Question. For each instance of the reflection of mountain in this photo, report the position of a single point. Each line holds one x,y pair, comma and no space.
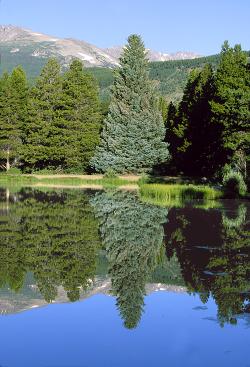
11,303
30,297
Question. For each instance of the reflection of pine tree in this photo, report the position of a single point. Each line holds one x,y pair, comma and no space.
213,251
132,234
12,257
56,238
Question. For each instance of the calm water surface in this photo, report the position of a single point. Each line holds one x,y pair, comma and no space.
96,279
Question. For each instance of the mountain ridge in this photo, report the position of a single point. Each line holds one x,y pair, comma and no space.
15,40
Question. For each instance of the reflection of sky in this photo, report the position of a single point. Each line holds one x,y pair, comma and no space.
175,331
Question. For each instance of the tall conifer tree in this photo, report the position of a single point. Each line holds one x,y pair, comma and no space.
133,132
13,110
81,113
43,138
230,105
201,136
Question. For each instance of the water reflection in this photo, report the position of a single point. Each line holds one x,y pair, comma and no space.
69,238
212,247
54,236
132,235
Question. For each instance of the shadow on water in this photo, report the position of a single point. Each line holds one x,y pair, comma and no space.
67,239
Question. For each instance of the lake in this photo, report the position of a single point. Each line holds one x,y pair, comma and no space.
100,278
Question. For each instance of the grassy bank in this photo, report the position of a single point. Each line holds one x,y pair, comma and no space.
69,181
177,195
162,194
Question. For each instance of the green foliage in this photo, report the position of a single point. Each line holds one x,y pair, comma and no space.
230,105
132,235
52,235
234,184
176,195
211,124
13,111
63,125
171,76
14,171
133,132
43,138
110,173
56,124
214,257
236,222
32,65
144,178
81,113
163,107
191,133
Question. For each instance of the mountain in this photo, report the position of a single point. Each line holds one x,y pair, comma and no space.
19,46
32,50
115,52
16,42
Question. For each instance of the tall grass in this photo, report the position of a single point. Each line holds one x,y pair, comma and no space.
177,195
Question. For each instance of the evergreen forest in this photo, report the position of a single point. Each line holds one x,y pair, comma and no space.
59,122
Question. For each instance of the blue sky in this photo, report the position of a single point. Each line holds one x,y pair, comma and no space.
165,25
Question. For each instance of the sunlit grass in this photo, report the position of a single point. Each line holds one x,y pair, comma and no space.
178,195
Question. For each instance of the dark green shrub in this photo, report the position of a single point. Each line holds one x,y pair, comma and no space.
234,184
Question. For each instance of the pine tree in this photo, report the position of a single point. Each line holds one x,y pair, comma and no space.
194,136
202,154
230,105
178,124
81,113
13,109
43,137
133,132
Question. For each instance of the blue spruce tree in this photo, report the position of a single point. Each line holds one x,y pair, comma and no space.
132,139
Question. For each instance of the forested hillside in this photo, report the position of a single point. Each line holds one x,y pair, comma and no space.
172,76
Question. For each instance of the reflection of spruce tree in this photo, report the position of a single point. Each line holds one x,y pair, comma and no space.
231,291
132,234
217,260
56,238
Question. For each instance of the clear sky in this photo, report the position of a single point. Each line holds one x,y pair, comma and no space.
166,25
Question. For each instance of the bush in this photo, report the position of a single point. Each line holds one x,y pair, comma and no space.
14,171
234,184
110,173
144,179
